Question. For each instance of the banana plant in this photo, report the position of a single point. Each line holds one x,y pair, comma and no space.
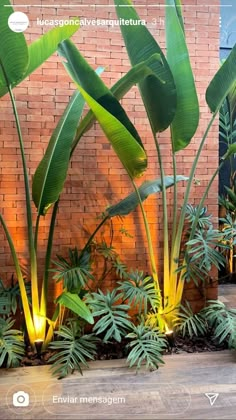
159,83
182,127
170,99
17,61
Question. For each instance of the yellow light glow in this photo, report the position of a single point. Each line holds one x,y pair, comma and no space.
39,324
168,331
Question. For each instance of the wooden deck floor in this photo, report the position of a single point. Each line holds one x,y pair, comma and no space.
109,390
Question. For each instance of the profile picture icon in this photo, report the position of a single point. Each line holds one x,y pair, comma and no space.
18,22
20,399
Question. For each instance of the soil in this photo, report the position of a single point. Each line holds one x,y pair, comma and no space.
115,350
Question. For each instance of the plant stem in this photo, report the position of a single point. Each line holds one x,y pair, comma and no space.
94,234
177,243
24,297
33,262
36,233
44,291
150,246
175,205
193,228
166,279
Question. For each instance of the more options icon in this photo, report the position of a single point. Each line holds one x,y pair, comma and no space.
20,399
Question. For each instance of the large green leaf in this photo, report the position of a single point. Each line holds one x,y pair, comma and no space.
222,82
231,99
129,151
75,304
13,50
39,51
129,203
119,90
116,125
83,74
51,173
159,99
186,119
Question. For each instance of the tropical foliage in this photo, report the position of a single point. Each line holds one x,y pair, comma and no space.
17,61
147,346
72,349
157,308
12,347
171,79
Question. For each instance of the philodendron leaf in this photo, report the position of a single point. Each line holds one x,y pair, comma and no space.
50,175
186,119
159,99
75,304
119,130
222,82
129,203
13,50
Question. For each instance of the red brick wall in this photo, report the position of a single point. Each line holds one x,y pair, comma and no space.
96,177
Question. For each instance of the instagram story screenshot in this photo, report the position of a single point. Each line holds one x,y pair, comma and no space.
117,209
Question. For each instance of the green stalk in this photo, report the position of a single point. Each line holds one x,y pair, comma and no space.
44,291
175,210
166,280
36,233
24,297
177,243
33,262
150,246
88,243
193,228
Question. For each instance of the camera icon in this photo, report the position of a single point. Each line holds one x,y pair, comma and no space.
20,399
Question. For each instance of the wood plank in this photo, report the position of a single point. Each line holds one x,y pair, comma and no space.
176,390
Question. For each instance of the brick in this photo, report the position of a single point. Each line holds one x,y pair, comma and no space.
96,176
